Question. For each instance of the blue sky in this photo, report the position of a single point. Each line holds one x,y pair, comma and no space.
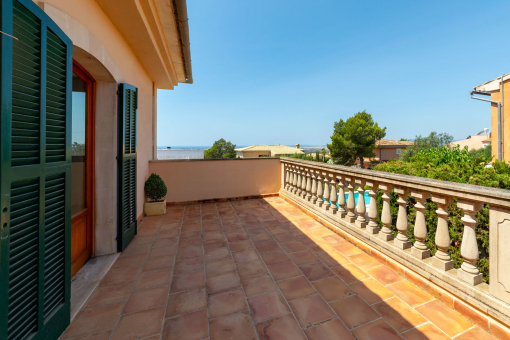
269,72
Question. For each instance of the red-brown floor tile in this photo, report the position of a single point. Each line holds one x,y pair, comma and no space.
133,249
281,328
425,332
189,253
348,249
475,334
233,327
285,237
108,295
146,299
332,288
384,275
94,320
334,259
261,237
185,302
158,263
165,251
237,237
129,261
240,245
154,279
218,243
213,235
187,282
190,243
246,255
445,318
222,282
212,227
316,271
101,336
165,242
353,311
188,266
410,294
267,306
143,239
251,268
256,230
277,230
122,275
284,270
321,248
189,234
371,291
168,233
350,273
330,330
293,247
226,303
192,326
311,310
377,330
399,315
255,285
219,267
295,288
303,257
268,246
139,325
364,261
274,257
216,254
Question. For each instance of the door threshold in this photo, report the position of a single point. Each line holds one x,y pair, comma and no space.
87,279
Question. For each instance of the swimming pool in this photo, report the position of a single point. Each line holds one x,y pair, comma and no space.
356,194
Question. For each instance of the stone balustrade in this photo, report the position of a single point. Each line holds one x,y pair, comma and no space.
321,188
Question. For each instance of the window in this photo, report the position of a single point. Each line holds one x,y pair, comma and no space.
398,151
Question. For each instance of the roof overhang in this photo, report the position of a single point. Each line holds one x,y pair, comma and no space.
158,35
492,85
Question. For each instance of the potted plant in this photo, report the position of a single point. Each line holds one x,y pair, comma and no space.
155,189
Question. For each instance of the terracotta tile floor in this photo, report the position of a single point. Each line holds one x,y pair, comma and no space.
256,269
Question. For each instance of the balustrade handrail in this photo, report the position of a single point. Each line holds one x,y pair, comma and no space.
492,196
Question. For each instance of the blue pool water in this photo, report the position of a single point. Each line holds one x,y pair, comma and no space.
356,194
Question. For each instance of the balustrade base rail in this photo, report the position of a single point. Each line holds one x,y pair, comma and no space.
318,187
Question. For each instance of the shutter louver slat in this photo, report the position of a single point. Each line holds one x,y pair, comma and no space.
24,255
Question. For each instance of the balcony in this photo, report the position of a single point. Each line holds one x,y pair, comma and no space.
271,249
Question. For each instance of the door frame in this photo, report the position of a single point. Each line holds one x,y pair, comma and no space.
90,119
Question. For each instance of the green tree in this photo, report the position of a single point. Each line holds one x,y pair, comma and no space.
434,140
355,139
221,149
404,140
486,151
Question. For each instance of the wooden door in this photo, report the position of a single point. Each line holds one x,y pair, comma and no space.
35,173
82,156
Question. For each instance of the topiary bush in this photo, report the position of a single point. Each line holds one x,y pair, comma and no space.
155,188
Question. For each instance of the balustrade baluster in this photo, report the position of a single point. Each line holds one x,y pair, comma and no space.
402,241
314,187
442,258
308,185
420,249
361,208
373,214
287,177
326,204
294,179
291,179
469,272
298,189
320,201
386,233
341,197
334,195
351,203
303,183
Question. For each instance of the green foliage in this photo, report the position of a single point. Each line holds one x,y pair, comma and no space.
355,139
485,151
77,149
221,149
443,155
434,140
404,140
155,188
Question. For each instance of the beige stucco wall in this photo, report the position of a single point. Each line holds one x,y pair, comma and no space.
255,154
102,50
506,122
192,180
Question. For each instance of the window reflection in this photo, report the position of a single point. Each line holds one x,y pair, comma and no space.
78,147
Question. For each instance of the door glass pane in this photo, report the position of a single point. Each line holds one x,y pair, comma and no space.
78,146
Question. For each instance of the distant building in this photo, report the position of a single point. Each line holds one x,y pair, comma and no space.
474,142
267,151
180,154
385,150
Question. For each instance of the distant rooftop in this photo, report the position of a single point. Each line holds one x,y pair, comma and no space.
389,142
275,149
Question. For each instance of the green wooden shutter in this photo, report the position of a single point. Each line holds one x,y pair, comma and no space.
35,172
128,105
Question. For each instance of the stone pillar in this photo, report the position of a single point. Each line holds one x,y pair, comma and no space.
308,185
303,183
294,179
287,177
320,201
361,209
334,195
442,258
298,188
386,233
314,187
326,204
373,225
341,197
469,272
402,242
351,205
420,249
